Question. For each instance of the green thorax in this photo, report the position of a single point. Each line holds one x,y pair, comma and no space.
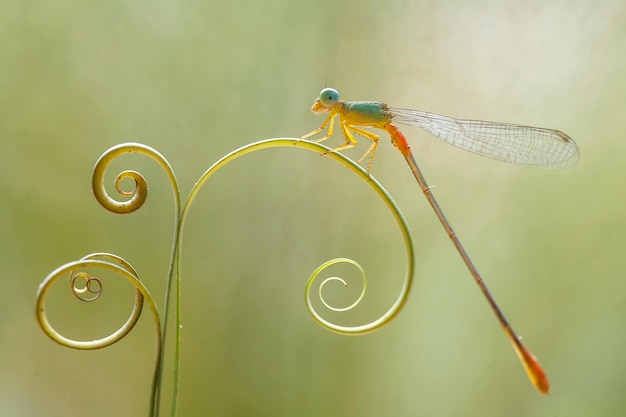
368,112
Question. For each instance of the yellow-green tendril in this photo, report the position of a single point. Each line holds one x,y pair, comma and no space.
341,280
372,182
92,286
139,193
89,288
108,262
138,196
116,265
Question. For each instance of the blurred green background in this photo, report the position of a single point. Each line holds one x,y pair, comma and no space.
197,79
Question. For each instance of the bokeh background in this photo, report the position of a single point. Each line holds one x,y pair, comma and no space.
197,79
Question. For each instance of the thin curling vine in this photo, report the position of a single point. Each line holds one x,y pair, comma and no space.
120,267
88,288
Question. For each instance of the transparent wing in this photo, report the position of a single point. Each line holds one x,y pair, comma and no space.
516,144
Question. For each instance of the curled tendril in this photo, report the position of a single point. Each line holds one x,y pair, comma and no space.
94,286
395,309
325,265
138,195
139,192
89,288
91,285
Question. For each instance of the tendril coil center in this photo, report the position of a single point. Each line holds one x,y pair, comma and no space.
90,285
320,294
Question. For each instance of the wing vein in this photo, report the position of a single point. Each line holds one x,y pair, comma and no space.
516,144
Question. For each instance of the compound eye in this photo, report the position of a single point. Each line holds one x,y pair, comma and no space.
329,96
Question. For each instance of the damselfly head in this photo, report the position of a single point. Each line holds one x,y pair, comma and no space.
328,98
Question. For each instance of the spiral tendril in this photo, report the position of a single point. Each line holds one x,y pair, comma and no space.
341,280
395,309
91,285
139,192
138,195
89,288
